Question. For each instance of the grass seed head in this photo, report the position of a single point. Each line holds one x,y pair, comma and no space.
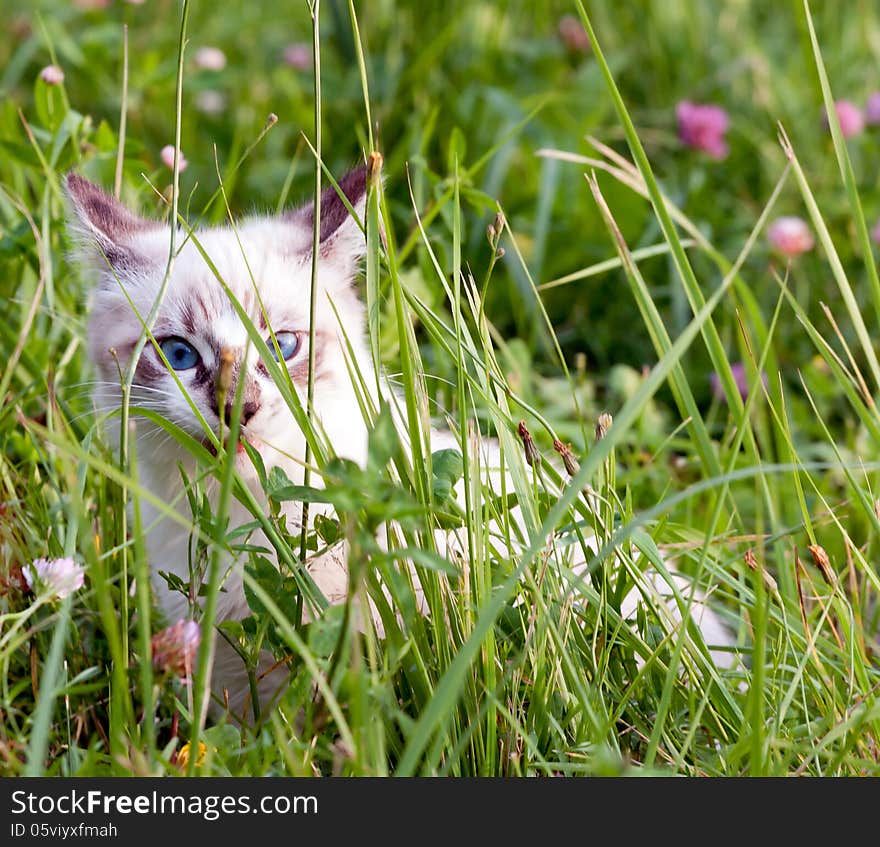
820,557
568,459
224,378
533,457
603,424
374,168
752,561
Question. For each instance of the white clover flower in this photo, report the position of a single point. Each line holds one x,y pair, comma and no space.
52,75
54,578
210,59
167,157
210,102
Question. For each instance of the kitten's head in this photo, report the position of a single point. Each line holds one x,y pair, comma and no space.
264,261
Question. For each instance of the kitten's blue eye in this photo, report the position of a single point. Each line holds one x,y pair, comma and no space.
181,354
288,344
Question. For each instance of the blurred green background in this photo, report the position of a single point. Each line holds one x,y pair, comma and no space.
457,81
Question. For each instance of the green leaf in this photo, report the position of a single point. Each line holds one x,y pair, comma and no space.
283,590
328,529
233,629
105,138
267,577
447,466
174,582
383,439
423,558
457,149
324,632
279,487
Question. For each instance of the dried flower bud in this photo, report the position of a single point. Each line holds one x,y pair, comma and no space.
499,253
603,424
533,457
224,378
495,230
54,578
820,557
568,458
374,167
271,120
752,562
175,648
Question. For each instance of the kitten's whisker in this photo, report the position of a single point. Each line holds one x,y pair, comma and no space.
115,385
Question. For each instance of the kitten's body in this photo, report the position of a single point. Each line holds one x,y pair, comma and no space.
196,306
272,256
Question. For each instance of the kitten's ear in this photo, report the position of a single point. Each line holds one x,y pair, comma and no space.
106,229
341,237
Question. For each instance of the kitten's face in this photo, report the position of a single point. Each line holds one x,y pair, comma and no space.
267,267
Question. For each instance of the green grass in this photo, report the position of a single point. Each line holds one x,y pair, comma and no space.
625,270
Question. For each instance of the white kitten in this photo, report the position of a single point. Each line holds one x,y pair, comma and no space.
195,325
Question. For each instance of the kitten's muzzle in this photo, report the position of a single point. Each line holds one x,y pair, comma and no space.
238,445
224,388
248,409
